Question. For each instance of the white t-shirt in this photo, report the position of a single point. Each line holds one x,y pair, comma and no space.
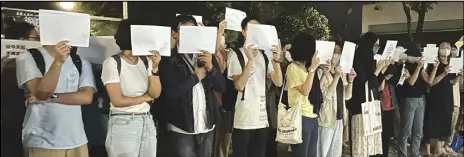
133,81
251,112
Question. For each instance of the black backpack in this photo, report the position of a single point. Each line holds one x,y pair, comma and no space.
229,97
40,61
117,58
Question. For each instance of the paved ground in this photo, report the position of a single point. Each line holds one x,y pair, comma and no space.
283,151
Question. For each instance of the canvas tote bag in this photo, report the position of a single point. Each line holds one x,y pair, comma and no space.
371,114
289,125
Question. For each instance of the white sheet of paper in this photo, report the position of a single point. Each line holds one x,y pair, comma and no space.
234,19
262,35
398,51
402,78
377,57
198,18
389,50
99,49
147,38
430,54
431,45
456,65
56,26
346,60
13,48
324,50
194,38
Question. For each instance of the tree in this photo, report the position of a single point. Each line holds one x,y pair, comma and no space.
97,27
421,8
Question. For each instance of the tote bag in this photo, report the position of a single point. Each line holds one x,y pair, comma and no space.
371,114
289,125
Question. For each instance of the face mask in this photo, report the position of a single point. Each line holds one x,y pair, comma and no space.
445,52
288,56
336,59
375,50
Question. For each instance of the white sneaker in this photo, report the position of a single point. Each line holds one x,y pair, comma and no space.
449,151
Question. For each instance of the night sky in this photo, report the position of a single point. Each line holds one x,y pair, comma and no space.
336,12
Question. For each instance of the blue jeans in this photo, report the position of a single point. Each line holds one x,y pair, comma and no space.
310,133
187,145
412,120
131,136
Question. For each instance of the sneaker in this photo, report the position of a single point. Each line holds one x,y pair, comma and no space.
449,151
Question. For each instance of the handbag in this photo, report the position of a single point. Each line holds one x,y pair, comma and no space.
371,114
458,143
289,123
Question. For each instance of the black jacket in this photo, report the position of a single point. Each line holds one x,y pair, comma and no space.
175,102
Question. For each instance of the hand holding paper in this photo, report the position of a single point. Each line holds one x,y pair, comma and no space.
456,65
346,60
325,50
56,26
194,39
389,50
148,38
430,54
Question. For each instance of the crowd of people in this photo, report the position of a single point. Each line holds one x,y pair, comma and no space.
206,104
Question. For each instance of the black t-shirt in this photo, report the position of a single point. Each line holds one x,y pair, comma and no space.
418,89
340,99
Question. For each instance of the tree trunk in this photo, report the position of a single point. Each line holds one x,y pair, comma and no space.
420,22
407,12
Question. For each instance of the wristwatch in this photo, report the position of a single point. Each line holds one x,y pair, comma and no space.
54,97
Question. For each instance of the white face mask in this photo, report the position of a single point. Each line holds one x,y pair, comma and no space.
336,59
288,56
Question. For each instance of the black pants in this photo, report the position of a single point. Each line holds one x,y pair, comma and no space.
11,139
271,150
249,143
387,131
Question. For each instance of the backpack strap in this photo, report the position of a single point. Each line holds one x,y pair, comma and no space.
39,60
266,60
241,60
117,58
76,59
145,61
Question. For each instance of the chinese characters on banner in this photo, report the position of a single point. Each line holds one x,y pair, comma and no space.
29,17
13,48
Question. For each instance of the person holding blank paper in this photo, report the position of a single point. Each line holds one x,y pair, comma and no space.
440,104
252,116
53,125
336,89
131,82
188,103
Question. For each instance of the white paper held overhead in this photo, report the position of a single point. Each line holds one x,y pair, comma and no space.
431,45
13,48
399,53
147,38
57,26
346,60
234,19
99,49
389,50
324,50
262,35
194,38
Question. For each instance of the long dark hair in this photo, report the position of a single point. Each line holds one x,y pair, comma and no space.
364,62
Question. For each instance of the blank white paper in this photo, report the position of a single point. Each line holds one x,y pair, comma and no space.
57,26
456,65
430,54
194,38
262,35
389,50
148,38
99,49
324,50
234,19
346,60
431,45
398,52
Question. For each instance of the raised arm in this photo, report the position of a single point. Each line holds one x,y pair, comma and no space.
415,74
240,76
154,83
276,74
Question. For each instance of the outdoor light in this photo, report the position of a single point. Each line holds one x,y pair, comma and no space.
67,5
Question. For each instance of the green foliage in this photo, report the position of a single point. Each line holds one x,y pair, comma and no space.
97,27
421,6
290,18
